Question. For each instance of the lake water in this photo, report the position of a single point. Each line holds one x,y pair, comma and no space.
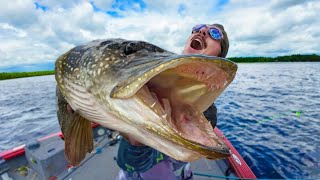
271,114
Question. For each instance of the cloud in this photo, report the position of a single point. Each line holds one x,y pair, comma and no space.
20,13
262,30
284,4
39,31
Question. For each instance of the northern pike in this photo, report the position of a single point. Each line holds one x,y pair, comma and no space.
142,91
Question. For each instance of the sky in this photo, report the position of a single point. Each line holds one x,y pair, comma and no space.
34,33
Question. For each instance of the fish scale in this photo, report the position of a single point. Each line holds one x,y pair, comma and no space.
142,91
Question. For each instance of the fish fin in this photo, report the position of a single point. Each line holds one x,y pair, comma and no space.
77,131
78,139
82,101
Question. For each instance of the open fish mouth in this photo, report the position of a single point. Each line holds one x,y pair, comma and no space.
144,92
179,91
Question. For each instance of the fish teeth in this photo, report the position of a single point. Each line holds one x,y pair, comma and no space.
158,108
168,110
151,99
166,105
164,116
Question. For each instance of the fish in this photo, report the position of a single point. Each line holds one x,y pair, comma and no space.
144,92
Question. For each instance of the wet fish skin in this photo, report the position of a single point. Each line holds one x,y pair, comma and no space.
99,81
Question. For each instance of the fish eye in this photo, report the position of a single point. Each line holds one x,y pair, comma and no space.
129,49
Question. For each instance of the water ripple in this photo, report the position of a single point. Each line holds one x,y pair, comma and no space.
266,129
270,113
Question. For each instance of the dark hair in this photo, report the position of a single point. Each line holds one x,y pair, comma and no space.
224,42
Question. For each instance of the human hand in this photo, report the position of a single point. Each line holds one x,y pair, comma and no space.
69,109
132,141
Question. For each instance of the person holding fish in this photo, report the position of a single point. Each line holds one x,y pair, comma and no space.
138,161
153,97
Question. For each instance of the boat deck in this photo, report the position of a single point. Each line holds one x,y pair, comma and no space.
101,164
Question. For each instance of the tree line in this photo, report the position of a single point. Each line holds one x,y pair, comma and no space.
11,75
292,58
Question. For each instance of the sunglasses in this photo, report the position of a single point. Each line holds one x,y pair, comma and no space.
213,31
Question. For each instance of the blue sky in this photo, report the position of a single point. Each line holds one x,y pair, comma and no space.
34,33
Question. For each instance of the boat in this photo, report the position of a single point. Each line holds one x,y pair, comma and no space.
44,159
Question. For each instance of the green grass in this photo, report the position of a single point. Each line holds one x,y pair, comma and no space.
12,75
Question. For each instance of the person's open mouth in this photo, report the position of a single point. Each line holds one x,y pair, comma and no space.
197,43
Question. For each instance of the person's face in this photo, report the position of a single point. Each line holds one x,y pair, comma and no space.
200,42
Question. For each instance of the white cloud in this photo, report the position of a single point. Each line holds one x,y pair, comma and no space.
267,31
9,30
30,35
17,13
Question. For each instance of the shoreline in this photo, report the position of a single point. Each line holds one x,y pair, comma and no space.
291,58
15,75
